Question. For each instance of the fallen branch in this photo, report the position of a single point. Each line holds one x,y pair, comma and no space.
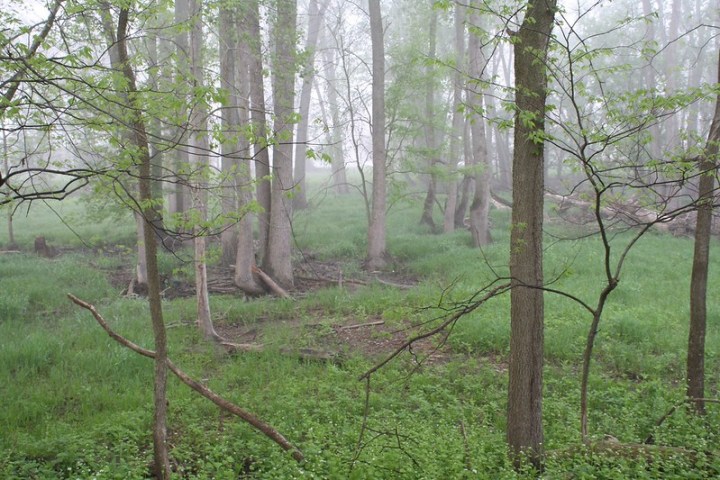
226,405
361,325
242,347
272,285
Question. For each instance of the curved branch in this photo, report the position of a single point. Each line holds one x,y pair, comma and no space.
226,405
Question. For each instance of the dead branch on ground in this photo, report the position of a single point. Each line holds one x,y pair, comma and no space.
361,325
226,405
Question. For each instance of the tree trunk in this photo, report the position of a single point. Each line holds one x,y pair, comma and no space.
245,249
6,164
701,262
315,15
179,196
231,152
524,422
339,176
458,122
257,115
430,134
480,206
278,261
376,231
199,147
139,137
468,183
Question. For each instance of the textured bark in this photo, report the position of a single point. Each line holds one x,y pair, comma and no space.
180,195
458,122
315,14
229,50
139,138
701,262
199,147
278,259
524,423
257,116
480,206
376,230
245,248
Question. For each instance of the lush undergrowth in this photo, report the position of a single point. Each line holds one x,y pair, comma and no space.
78,405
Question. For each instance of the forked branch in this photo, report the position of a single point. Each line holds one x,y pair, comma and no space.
226,405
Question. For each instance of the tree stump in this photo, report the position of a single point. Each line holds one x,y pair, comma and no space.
42,248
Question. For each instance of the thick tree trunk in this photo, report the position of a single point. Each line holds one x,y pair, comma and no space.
245,249
376,231
139,137
258,119
180,195
701,262
278,260
524,422
480,206
229,51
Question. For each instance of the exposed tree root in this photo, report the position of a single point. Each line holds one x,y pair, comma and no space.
272,284
226,405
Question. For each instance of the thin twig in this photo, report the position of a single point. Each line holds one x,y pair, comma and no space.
453,318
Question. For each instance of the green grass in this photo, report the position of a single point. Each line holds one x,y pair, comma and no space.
78,405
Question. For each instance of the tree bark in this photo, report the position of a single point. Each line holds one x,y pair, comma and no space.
701,262
139,137
458,122
524,423
258,119
278,260
179,196
376,230
199,145
230,161
480,206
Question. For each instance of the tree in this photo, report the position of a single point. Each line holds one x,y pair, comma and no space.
315,15
480,205
701,261
430,134
277,261
142,150
457,131
376,231
258,123
524,428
